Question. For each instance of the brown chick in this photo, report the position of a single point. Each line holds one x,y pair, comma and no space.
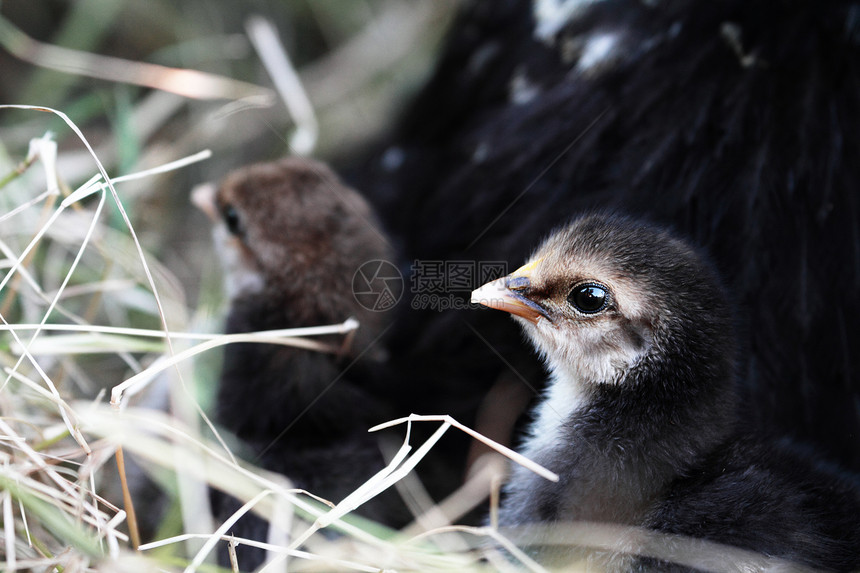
291,237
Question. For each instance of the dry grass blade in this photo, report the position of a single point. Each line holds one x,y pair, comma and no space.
264,36
187,83
223,529
287,337
449,421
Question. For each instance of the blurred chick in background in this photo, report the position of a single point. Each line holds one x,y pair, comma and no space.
291,238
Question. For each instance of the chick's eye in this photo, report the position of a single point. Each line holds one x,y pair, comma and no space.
589,298
232,219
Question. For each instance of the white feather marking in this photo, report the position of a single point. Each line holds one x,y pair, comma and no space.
393,158
563,397
599,49
521,89
552,15
482,151
240,278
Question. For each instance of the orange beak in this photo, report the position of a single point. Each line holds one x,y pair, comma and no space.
505,294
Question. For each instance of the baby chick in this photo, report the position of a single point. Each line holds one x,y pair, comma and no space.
640,417
291,237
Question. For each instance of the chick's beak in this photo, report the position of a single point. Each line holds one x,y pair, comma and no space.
203,197
505,294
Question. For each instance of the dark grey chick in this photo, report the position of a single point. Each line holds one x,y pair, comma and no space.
640,417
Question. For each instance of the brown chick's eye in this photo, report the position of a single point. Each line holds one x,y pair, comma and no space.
232,220
589,298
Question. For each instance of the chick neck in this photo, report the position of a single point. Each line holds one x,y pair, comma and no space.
618,444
